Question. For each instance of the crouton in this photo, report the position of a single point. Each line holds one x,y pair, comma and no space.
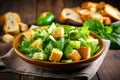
58,32
37,43
85,52
56,55
29,34
75,56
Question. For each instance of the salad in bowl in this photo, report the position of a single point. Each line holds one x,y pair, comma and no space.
58,46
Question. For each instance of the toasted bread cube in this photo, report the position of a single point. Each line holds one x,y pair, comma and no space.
85,52
37,43
56,55
75,56
7,38
90,37
29,34
58,32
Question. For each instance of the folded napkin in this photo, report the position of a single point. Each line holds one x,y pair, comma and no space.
17,65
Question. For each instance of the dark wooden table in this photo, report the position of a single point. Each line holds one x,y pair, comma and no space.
30,9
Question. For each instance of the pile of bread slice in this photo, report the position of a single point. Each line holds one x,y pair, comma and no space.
102,11
12,25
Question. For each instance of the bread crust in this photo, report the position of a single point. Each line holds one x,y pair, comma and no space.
7,38
69,14
112,12
11,23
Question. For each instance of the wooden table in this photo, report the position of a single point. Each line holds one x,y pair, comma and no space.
30,9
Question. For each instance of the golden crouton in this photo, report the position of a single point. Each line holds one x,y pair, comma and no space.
75,56
84,52
58,32
29,34
56,55
37,43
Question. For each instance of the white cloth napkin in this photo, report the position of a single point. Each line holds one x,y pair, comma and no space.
17,65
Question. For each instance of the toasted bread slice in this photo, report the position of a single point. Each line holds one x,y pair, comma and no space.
23,26
85,52
112,12
12,21
69,14
85,14
101,5
75,56
7,38
56,55
92,6
98,16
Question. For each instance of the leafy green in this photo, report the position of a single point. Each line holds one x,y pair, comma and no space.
68,48
60,44
94,45
111,32
48,48
75,44
73,38
26,48
67,61
39,56
77,33
95,26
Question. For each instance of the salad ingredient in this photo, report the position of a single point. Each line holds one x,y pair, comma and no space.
57,44
58,32
85,52
67,61
56,55
75,56
37,43
46,18
110,32
39,56
30,35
